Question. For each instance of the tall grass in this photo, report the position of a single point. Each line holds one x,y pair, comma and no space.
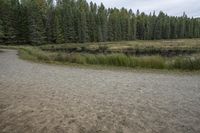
35,54
186,63
153,62
126,61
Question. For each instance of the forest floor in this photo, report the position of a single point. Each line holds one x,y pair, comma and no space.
49,98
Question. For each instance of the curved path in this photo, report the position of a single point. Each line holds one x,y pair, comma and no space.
41,98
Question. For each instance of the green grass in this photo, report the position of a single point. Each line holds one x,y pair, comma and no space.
114,54
152,62
186,63
35,54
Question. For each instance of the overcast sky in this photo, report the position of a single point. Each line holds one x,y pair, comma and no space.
171,7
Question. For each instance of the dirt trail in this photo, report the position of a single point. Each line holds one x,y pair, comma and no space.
41,98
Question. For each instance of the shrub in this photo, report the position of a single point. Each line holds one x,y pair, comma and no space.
186,63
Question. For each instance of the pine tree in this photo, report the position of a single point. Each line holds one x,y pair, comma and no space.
141,25
166,28
110,26
92,23
2,36
1,31
36,20
133,26
182,26
59,32
102,16
82,28
50,26
8,21
159,27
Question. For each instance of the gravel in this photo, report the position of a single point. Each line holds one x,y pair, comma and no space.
42,98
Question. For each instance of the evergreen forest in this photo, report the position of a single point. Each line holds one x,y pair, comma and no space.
77,21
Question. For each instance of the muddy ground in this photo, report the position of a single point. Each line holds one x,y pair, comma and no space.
41,98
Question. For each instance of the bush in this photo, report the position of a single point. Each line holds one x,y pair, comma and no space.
186,63
60,57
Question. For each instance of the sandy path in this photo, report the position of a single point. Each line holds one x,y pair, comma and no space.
43,98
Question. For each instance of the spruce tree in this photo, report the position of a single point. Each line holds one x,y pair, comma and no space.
36,20
92,23
102,16
2,14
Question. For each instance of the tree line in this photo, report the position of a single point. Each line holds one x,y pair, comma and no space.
65,21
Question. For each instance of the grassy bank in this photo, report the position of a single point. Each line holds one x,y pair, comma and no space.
166,48
182,54
153,62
